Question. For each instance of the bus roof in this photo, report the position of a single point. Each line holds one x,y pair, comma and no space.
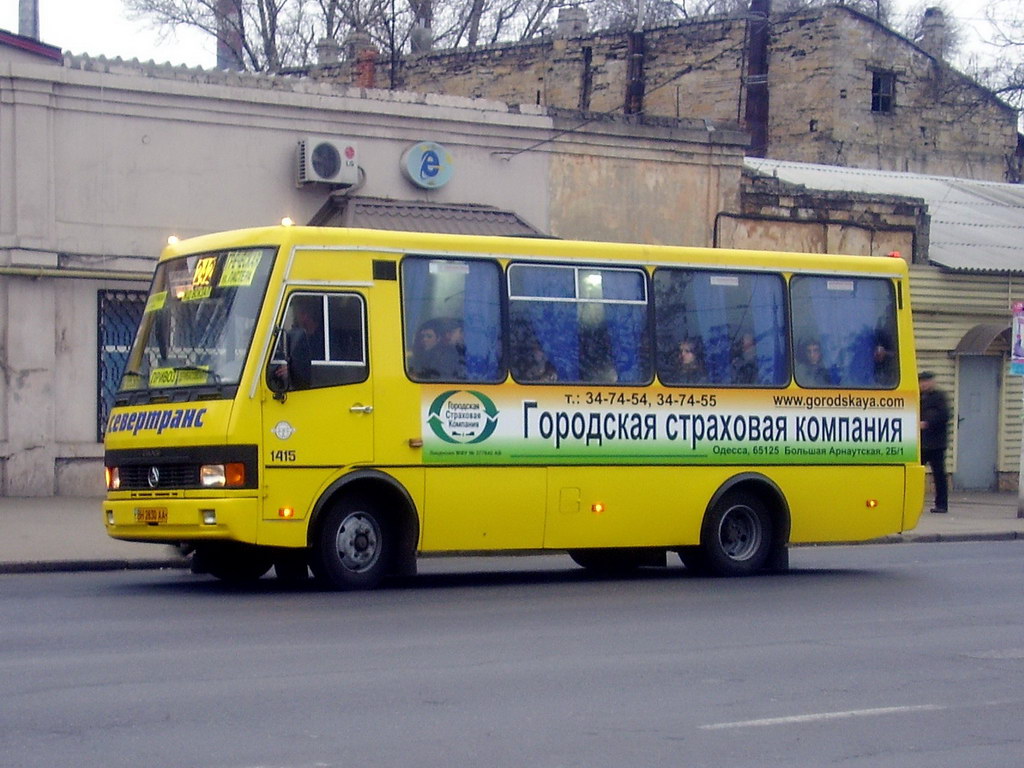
469,246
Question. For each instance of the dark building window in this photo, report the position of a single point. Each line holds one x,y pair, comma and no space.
883,92
587,81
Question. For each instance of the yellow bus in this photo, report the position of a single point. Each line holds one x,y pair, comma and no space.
345,400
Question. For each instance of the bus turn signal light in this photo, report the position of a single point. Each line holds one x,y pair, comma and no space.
871,503
230,475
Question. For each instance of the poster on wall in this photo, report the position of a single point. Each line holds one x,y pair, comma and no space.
1017,337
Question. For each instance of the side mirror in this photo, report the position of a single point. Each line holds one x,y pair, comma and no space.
277,377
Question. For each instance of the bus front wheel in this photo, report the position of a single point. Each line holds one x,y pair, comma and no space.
354,545
736,537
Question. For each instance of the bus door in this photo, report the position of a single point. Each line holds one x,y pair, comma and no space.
321,416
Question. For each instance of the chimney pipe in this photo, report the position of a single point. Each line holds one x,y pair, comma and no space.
572,22
28,18
756,113
229,35
328,52
361,57
933,32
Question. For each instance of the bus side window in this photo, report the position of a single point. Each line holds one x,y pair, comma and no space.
737,321
853,321
579,324
451,310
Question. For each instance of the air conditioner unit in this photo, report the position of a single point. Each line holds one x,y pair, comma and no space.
328,161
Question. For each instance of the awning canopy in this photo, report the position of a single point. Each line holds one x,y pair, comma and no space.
978,340
420,216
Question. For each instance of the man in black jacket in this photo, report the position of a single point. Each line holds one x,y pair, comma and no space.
934,422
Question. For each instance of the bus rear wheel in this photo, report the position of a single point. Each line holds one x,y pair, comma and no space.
353,547
736,537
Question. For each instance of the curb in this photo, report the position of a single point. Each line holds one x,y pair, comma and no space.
74,566
932,538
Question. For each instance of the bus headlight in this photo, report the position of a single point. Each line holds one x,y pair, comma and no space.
113,478
231,475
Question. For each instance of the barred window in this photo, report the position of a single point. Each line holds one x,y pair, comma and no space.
119,314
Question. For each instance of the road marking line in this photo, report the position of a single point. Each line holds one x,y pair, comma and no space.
819,717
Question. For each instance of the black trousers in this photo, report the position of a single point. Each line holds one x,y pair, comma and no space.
935,458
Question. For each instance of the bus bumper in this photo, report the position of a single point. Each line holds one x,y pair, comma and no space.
171,520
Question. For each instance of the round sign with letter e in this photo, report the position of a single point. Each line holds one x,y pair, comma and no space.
428,165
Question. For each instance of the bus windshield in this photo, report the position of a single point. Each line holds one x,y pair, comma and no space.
198,323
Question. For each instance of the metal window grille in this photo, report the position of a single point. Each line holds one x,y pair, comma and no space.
119,314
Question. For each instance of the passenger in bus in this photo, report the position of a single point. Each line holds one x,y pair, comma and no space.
536,367
690,363
305,342
597,363
744,360
423,358
884,360
450,352
810,370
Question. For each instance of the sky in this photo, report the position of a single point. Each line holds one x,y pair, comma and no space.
101,27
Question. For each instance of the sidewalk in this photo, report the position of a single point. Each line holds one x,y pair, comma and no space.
66,533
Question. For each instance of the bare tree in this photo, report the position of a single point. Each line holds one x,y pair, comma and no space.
270,35
470,23
1006,75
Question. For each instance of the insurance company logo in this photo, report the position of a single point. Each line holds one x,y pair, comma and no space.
462,416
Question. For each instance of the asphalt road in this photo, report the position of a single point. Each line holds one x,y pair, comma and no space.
888,655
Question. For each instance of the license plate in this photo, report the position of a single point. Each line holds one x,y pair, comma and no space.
151,514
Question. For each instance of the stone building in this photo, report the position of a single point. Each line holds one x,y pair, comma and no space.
823,85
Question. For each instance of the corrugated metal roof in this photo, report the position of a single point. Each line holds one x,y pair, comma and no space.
418,216
975,225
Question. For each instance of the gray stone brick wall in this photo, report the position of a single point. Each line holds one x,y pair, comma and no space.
822,63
